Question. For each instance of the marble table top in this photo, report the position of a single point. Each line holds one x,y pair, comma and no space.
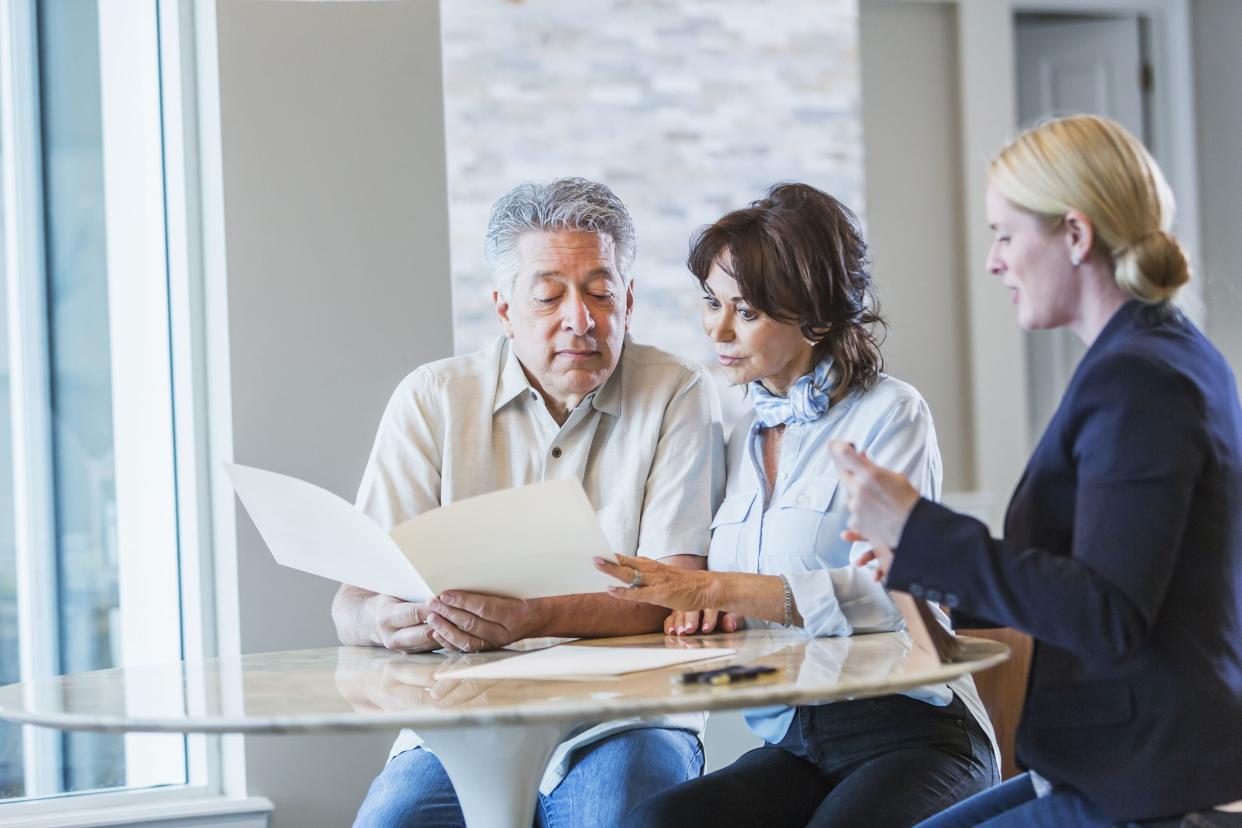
364,688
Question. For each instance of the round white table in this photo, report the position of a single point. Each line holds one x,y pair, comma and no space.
494,738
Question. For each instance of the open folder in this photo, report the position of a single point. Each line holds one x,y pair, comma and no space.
925,631
528,542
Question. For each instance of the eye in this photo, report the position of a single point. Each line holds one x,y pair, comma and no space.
547,300
711,302
607,296
746,313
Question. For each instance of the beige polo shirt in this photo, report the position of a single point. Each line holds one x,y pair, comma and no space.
647,445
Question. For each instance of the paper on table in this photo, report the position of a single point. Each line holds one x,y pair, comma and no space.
529,542
570,662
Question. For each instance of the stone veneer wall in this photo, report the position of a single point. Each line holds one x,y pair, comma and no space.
686,108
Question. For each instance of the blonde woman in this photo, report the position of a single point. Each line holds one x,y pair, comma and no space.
1122,552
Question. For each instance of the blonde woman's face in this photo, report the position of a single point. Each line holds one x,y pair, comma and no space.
1033,261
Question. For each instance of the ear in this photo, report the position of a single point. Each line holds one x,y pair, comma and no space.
1079,236
629,304
502,313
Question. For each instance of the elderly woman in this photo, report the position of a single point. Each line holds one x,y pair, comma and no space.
1122,553
787,303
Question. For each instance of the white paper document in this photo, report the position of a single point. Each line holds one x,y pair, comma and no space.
528,542
570,662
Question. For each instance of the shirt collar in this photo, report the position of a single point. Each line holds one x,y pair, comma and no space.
512,383
607,398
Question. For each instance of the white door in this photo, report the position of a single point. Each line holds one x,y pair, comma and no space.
1070,65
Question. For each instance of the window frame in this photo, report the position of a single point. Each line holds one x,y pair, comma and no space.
161,165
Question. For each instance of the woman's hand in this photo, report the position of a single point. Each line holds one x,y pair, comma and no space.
705,621
656,583
879,500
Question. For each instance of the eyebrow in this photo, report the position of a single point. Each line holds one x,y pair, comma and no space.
594,274
735,300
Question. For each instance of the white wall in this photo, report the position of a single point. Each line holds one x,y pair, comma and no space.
1218,108
914,207
335,222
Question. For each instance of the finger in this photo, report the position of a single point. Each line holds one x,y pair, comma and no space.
731,622
710,617
615,570
641,564
852,536
689,623
672,622
444,643
415,639
641,595
848,458
491,608
458,638
469,622
403,614
678,619
865,558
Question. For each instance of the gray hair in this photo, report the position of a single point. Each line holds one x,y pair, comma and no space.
562,204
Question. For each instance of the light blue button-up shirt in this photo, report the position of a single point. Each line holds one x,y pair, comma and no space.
797,531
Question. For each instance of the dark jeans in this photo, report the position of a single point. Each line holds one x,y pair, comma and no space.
1014,805
890,761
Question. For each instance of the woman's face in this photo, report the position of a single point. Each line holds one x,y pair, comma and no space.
749,345
1033,261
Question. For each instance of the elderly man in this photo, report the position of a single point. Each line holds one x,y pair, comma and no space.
563,393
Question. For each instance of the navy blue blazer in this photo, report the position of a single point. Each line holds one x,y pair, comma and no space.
1122,558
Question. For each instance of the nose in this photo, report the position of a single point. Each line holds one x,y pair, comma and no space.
718,327
577,316
994,264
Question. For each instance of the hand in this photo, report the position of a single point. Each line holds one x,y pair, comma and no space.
882,555
400,625
879,500
399,683
469,622
664,585
705,621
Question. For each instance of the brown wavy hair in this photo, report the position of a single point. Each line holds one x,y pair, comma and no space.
799,257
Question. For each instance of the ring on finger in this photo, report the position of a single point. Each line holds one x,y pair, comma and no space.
637,580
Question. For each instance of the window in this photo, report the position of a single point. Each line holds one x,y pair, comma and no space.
92,545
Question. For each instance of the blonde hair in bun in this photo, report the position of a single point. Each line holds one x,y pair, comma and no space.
1095,166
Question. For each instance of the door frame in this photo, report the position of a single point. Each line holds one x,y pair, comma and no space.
1171,117
988,117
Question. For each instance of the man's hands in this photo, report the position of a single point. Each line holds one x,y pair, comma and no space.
400,625
469,622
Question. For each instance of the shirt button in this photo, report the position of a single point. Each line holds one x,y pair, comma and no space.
533,395
801,500
916,590
951,600
556,452
933,595
784,475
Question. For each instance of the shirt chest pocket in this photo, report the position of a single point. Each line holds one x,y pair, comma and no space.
804,526
728,525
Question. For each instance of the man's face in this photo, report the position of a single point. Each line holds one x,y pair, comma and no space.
568,312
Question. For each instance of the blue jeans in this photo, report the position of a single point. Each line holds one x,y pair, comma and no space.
1014,805
606,779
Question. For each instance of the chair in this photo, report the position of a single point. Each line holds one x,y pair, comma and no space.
1003,690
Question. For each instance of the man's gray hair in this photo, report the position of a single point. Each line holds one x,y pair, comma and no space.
563,204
